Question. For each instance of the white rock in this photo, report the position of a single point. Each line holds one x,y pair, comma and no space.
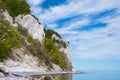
27,63
66,50
56,68
34,26
55,37
8,17
15,78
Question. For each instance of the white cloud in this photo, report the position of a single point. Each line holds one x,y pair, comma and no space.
99,43
34,2
78,7
52,26
74,24
35,9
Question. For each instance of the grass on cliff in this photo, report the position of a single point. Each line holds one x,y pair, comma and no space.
15,7
53,50
9,39
32,41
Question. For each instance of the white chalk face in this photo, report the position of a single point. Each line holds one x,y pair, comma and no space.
34,26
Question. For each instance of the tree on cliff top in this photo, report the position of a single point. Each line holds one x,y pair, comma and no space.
16,7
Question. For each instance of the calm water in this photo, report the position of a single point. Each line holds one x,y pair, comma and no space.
93,75
98,75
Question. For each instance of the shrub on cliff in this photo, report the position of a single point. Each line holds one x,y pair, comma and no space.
9,39
53,50
32,41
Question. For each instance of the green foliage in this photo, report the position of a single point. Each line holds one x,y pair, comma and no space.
49,33
32,41
4,50
53,50
35,49
60,43
2,5
16,7
9,39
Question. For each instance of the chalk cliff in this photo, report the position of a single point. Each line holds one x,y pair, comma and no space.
32,55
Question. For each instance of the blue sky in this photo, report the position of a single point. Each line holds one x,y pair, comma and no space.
91,26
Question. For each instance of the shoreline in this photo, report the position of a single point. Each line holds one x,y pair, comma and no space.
33,75
29,75
26,74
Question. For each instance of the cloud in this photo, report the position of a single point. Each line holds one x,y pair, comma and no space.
35,2
35,9
78,7
73,24
100,43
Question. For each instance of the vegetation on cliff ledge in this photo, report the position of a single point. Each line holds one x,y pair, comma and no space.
53,50
9,39
49,33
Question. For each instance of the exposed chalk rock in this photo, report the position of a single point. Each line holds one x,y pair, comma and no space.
8,17
34,26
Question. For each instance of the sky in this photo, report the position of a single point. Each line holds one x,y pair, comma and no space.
91,26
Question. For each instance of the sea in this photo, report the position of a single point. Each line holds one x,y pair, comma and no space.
91,75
